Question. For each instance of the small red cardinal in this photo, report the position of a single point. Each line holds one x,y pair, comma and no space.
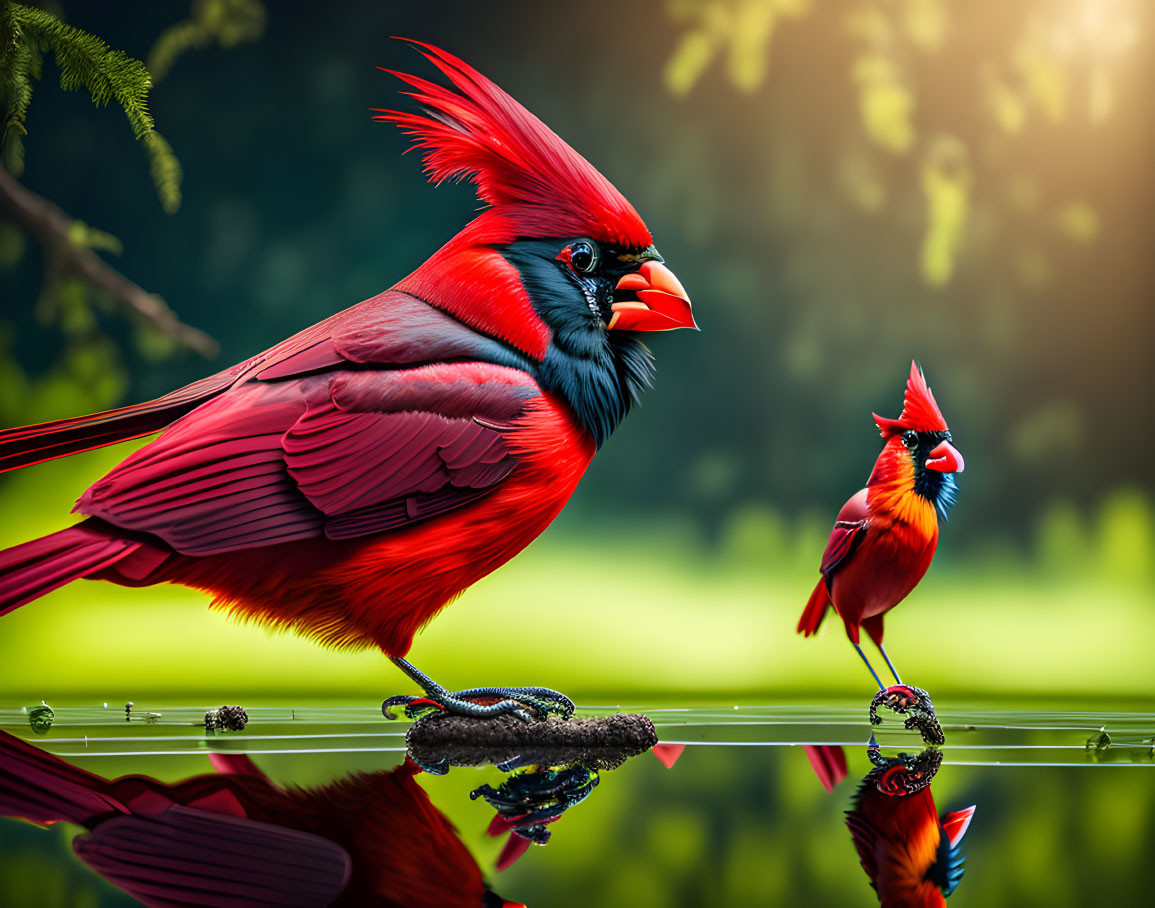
351,481
237,838
885,536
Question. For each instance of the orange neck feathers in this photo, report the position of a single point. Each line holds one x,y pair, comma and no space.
891,495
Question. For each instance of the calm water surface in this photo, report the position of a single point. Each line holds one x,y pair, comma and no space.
319,802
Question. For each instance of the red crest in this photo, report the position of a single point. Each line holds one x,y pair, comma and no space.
520,167
919,410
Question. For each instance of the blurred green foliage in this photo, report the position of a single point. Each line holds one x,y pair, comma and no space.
659,615
225,23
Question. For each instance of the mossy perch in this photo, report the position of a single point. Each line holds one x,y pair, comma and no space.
600,743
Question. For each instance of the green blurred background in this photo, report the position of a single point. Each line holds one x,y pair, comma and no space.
841,186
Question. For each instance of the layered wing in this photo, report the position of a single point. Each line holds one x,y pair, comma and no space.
391,329
381,454
845,536
185,856
337,454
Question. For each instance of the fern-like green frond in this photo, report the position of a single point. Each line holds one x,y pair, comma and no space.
165,170
20,66
172,43
85,62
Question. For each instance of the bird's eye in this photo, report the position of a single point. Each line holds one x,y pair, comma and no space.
910,439
583,257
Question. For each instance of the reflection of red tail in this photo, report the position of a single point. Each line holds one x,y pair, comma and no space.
815,609
668,753
828,762
30,570
515,846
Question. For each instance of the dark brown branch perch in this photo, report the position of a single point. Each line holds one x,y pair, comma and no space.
51,226
602,743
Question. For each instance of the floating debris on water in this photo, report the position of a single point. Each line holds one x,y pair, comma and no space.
226,718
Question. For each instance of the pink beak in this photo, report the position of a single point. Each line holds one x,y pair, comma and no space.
660,302
945,458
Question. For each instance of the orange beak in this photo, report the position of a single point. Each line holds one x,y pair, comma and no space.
945,458
651,299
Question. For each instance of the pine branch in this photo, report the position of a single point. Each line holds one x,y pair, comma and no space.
85,62
20,65
54,229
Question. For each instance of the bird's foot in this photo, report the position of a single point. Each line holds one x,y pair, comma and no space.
904,774
916,705
527,703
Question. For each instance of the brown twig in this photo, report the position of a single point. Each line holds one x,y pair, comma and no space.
51,227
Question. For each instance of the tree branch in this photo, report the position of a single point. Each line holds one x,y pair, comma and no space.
51,227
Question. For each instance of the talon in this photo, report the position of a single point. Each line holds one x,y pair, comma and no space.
527,703
440,768
393,701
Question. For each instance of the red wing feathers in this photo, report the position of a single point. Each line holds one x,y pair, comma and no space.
391,329
845,536
340,455
187,856
27,445
41,788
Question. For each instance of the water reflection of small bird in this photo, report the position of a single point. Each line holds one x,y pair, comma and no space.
351,481
911,856
885,536
237,838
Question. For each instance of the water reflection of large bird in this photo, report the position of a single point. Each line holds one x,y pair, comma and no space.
237,838
885,536
351,481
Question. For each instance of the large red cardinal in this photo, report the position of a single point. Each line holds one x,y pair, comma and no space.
885,536
352,480
237,838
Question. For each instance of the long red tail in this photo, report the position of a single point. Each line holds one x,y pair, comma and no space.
41,788
815,609
27,445
35,568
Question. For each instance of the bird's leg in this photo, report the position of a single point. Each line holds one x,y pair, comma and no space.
526,703
870,668
882,649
